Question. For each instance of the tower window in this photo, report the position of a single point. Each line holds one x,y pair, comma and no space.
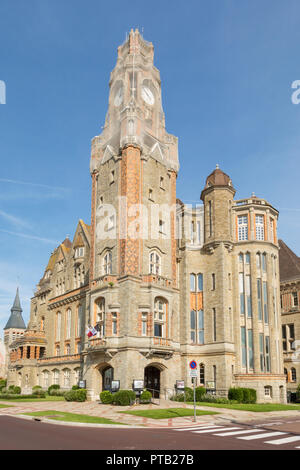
160,307
107,263
260,227
242,227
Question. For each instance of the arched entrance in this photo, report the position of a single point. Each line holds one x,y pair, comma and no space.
152,380
107,377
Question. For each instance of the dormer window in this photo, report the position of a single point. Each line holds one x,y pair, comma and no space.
47,274
79,252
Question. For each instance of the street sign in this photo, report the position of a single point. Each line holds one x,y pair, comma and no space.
193,373
193,365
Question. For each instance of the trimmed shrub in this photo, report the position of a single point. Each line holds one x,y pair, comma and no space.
106,397
236,393
200,392
189,394
11,396
76,395
14,390
53,387
298,393
2,384
242,395
39,393
75,387
37,387
145,396
124,398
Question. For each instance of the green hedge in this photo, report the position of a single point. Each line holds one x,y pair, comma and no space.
124,398
76,395
2,384
53,387
145,396
13,389
200,392
10,396
57,393
106,397
242,395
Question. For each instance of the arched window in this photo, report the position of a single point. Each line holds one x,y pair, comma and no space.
45,375
286,374
154,263
160,309
68,323
107,263
293,374
56,376
77,375
67,376
57,350
58,326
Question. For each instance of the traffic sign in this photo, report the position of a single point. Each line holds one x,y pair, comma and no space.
193,373
193,365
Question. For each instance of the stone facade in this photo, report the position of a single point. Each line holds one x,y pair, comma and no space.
164,283
290,314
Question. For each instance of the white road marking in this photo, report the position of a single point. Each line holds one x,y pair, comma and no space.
260,436
199,427
235,433
285,440
213,430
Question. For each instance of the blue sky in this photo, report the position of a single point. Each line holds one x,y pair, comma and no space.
226,67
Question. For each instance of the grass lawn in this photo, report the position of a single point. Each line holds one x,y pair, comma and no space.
72,417
167,413
33,400
6,406
257,407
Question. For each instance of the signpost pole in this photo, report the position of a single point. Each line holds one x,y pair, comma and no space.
194,381
193,373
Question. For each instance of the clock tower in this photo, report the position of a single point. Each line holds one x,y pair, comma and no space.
134,165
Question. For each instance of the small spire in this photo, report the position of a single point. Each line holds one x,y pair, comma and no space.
16,320
217,166
17,304
253,195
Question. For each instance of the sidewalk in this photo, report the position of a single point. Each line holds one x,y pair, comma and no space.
225,416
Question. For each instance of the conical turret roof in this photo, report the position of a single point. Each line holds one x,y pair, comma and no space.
16,320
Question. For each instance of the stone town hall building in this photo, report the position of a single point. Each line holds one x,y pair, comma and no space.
163,286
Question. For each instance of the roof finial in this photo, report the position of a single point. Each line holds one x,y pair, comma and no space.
217,166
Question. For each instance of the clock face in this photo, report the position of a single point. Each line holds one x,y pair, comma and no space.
147,95
118,97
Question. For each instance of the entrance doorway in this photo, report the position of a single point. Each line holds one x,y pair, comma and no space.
152,380
107,377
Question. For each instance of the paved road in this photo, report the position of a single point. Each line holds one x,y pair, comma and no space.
16,433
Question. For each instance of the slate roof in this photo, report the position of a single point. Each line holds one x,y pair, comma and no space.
289,263
16,320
